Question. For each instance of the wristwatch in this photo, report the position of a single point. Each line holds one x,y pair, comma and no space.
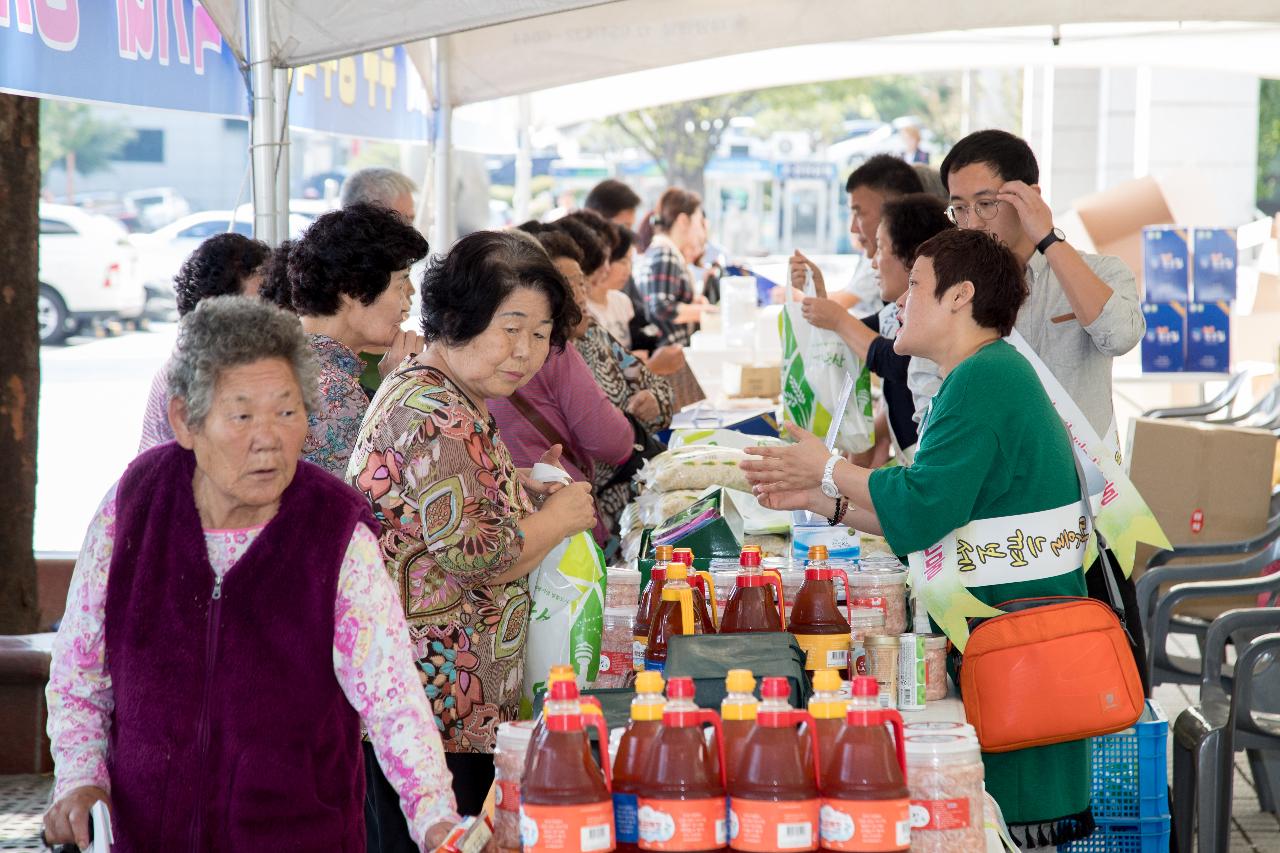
1054,236
829,487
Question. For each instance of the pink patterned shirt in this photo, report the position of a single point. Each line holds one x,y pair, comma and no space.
155,420
371,659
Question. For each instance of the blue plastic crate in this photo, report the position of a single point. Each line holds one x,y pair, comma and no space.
1124,836
1130,774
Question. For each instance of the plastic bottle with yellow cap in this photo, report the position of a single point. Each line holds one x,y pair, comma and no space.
650,598
672,617
704,592
633,755
738,712
828,708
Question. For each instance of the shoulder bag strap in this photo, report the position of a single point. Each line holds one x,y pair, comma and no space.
549,432
1113,590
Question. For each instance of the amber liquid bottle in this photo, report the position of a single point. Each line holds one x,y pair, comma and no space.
816,621
633,754
650,598
755,604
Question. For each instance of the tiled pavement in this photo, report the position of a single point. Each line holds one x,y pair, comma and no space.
23,798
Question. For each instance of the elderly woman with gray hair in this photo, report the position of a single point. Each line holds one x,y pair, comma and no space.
221,651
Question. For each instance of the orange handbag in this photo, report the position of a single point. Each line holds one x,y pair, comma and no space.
1051,670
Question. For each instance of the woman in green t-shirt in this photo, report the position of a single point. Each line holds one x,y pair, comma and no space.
994,461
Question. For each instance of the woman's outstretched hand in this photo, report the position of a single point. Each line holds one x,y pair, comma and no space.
792,468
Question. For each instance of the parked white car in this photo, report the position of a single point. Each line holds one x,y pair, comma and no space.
162,252
88,272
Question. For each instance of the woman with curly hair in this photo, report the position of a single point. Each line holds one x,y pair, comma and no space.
223,265
349,276
461,526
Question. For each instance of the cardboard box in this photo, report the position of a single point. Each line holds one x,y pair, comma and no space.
1209,337
1214,259
752,380
1206,484
1164,345
1166,264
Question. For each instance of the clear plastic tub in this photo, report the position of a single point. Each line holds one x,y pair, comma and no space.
623,587
616,669
945,775
882,584
508,763
935,667
863,622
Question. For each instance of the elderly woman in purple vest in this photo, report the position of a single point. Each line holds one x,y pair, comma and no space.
230,627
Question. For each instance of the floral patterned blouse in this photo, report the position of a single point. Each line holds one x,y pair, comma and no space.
369,661
333,426
449,499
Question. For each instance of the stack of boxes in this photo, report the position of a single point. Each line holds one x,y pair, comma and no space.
1189,285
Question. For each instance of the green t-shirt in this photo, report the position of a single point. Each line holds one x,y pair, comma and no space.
992,445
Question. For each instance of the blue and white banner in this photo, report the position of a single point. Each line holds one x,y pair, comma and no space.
169,54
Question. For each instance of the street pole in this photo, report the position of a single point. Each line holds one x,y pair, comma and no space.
263,131
442,145
281,78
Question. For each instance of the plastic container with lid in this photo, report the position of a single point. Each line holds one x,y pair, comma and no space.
935,667
616,656
508,762
882,584
941,727
863,622
882,664
622,587
945,775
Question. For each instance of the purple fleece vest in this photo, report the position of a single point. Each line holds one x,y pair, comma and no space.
230,730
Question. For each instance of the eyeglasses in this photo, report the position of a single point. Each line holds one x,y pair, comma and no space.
987,209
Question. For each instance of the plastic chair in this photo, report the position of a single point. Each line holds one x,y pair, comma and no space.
1158,623
1206,735
1223,401
1263,414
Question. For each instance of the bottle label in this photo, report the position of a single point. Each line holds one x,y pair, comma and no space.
651,665
758,826
507,795
637,652
682,824
615,663
865,825
939,815
824,651
583,828
858,658
876,602
625,819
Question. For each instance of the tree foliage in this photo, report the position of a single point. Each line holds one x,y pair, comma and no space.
69,128
683,137
1269,146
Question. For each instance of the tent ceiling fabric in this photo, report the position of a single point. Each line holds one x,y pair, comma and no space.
306,31
509,47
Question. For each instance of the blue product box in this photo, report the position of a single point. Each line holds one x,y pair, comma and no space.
1214,260
1166,264
1209,336
1164,346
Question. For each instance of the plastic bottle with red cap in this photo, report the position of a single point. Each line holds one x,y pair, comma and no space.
865,800
816,621
773,802
566,803
682,800
756,602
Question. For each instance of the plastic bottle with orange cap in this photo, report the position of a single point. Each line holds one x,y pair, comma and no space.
816,621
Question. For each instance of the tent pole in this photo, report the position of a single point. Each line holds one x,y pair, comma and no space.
263,130
282,87
442,218
524,159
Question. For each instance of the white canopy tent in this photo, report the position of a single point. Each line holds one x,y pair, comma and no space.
485,49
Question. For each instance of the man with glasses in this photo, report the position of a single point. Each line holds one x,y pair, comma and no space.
1083,310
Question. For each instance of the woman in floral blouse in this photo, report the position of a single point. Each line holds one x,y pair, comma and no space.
461,526
349,276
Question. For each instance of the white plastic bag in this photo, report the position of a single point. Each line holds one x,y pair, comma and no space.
568,591
815,363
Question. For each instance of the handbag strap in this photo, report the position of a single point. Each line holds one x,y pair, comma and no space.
549,432
1113,589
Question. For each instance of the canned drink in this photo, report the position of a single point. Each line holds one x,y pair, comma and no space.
911,672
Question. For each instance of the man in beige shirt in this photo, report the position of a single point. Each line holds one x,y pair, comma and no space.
1083,309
